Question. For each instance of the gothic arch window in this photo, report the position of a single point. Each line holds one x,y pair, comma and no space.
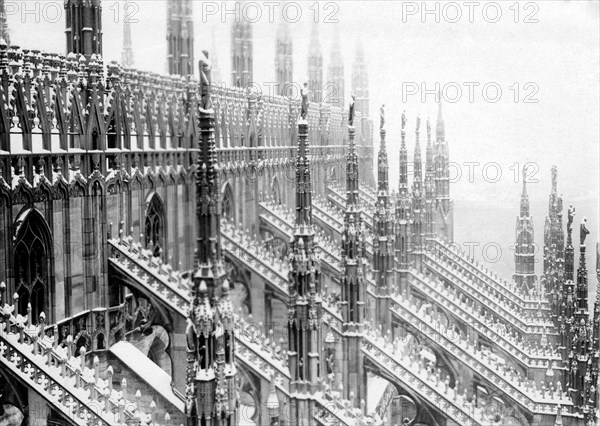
32,263
227,205
155,226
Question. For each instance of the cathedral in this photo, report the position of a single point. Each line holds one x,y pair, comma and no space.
179,252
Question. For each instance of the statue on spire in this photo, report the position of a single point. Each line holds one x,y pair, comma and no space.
382,116
418,123
351,111
403,119
583,231
304,107
571,215
205,80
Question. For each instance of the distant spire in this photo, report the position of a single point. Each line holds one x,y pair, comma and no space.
335,90
360,80
284,59
524,246
127,54
524,196
215,74
180,37
84,27
315,65
242,54
440,130
4,32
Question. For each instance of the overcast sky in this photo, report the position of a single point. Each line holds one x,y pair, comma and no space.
554,61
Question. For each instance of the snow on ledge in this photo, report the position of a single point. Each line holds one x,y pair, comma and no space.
148,371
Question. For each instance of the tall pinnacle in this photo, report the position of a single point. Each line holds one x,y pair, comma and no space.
440,130
127,54
524,196
211,397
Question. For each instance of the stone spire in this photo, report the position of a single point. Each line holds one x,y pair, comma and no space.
211,390
315,65
524,247
127,54
554,249
334,90
429,189
216,70
180,37
84,27
4,33
284,60
360,81
242,56
444,219
403,212
418,231
353,281
583,359
568,297
383,242
304,308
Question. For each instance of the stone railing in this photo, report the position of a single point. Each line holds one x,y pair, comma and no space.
454,303
64,380
282,219
256,257
522,390
337,196
97,329
397,360
507,291
335,218
173,291
509,314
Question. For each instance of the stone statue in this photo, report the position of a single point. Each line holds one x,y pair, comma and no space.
418,122
403,119
382,117
583,231
205,79
304,93
351,111
571,215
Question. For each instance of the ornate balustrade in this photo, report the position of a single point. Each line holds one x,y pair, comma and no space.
281,219
169,287
510,292
65,381
335,218
407,369
530,357
336,194
97,328
522,390
506,313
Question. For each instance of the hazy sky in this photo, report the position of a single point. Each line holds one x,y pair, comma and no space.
554,61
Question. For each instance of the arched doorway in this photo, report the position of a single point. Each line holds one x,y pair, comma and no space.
32,263
155,226
227,205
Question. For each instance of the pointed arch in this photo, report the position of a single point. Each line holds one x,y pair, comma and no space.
228,202
32,257
155,225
